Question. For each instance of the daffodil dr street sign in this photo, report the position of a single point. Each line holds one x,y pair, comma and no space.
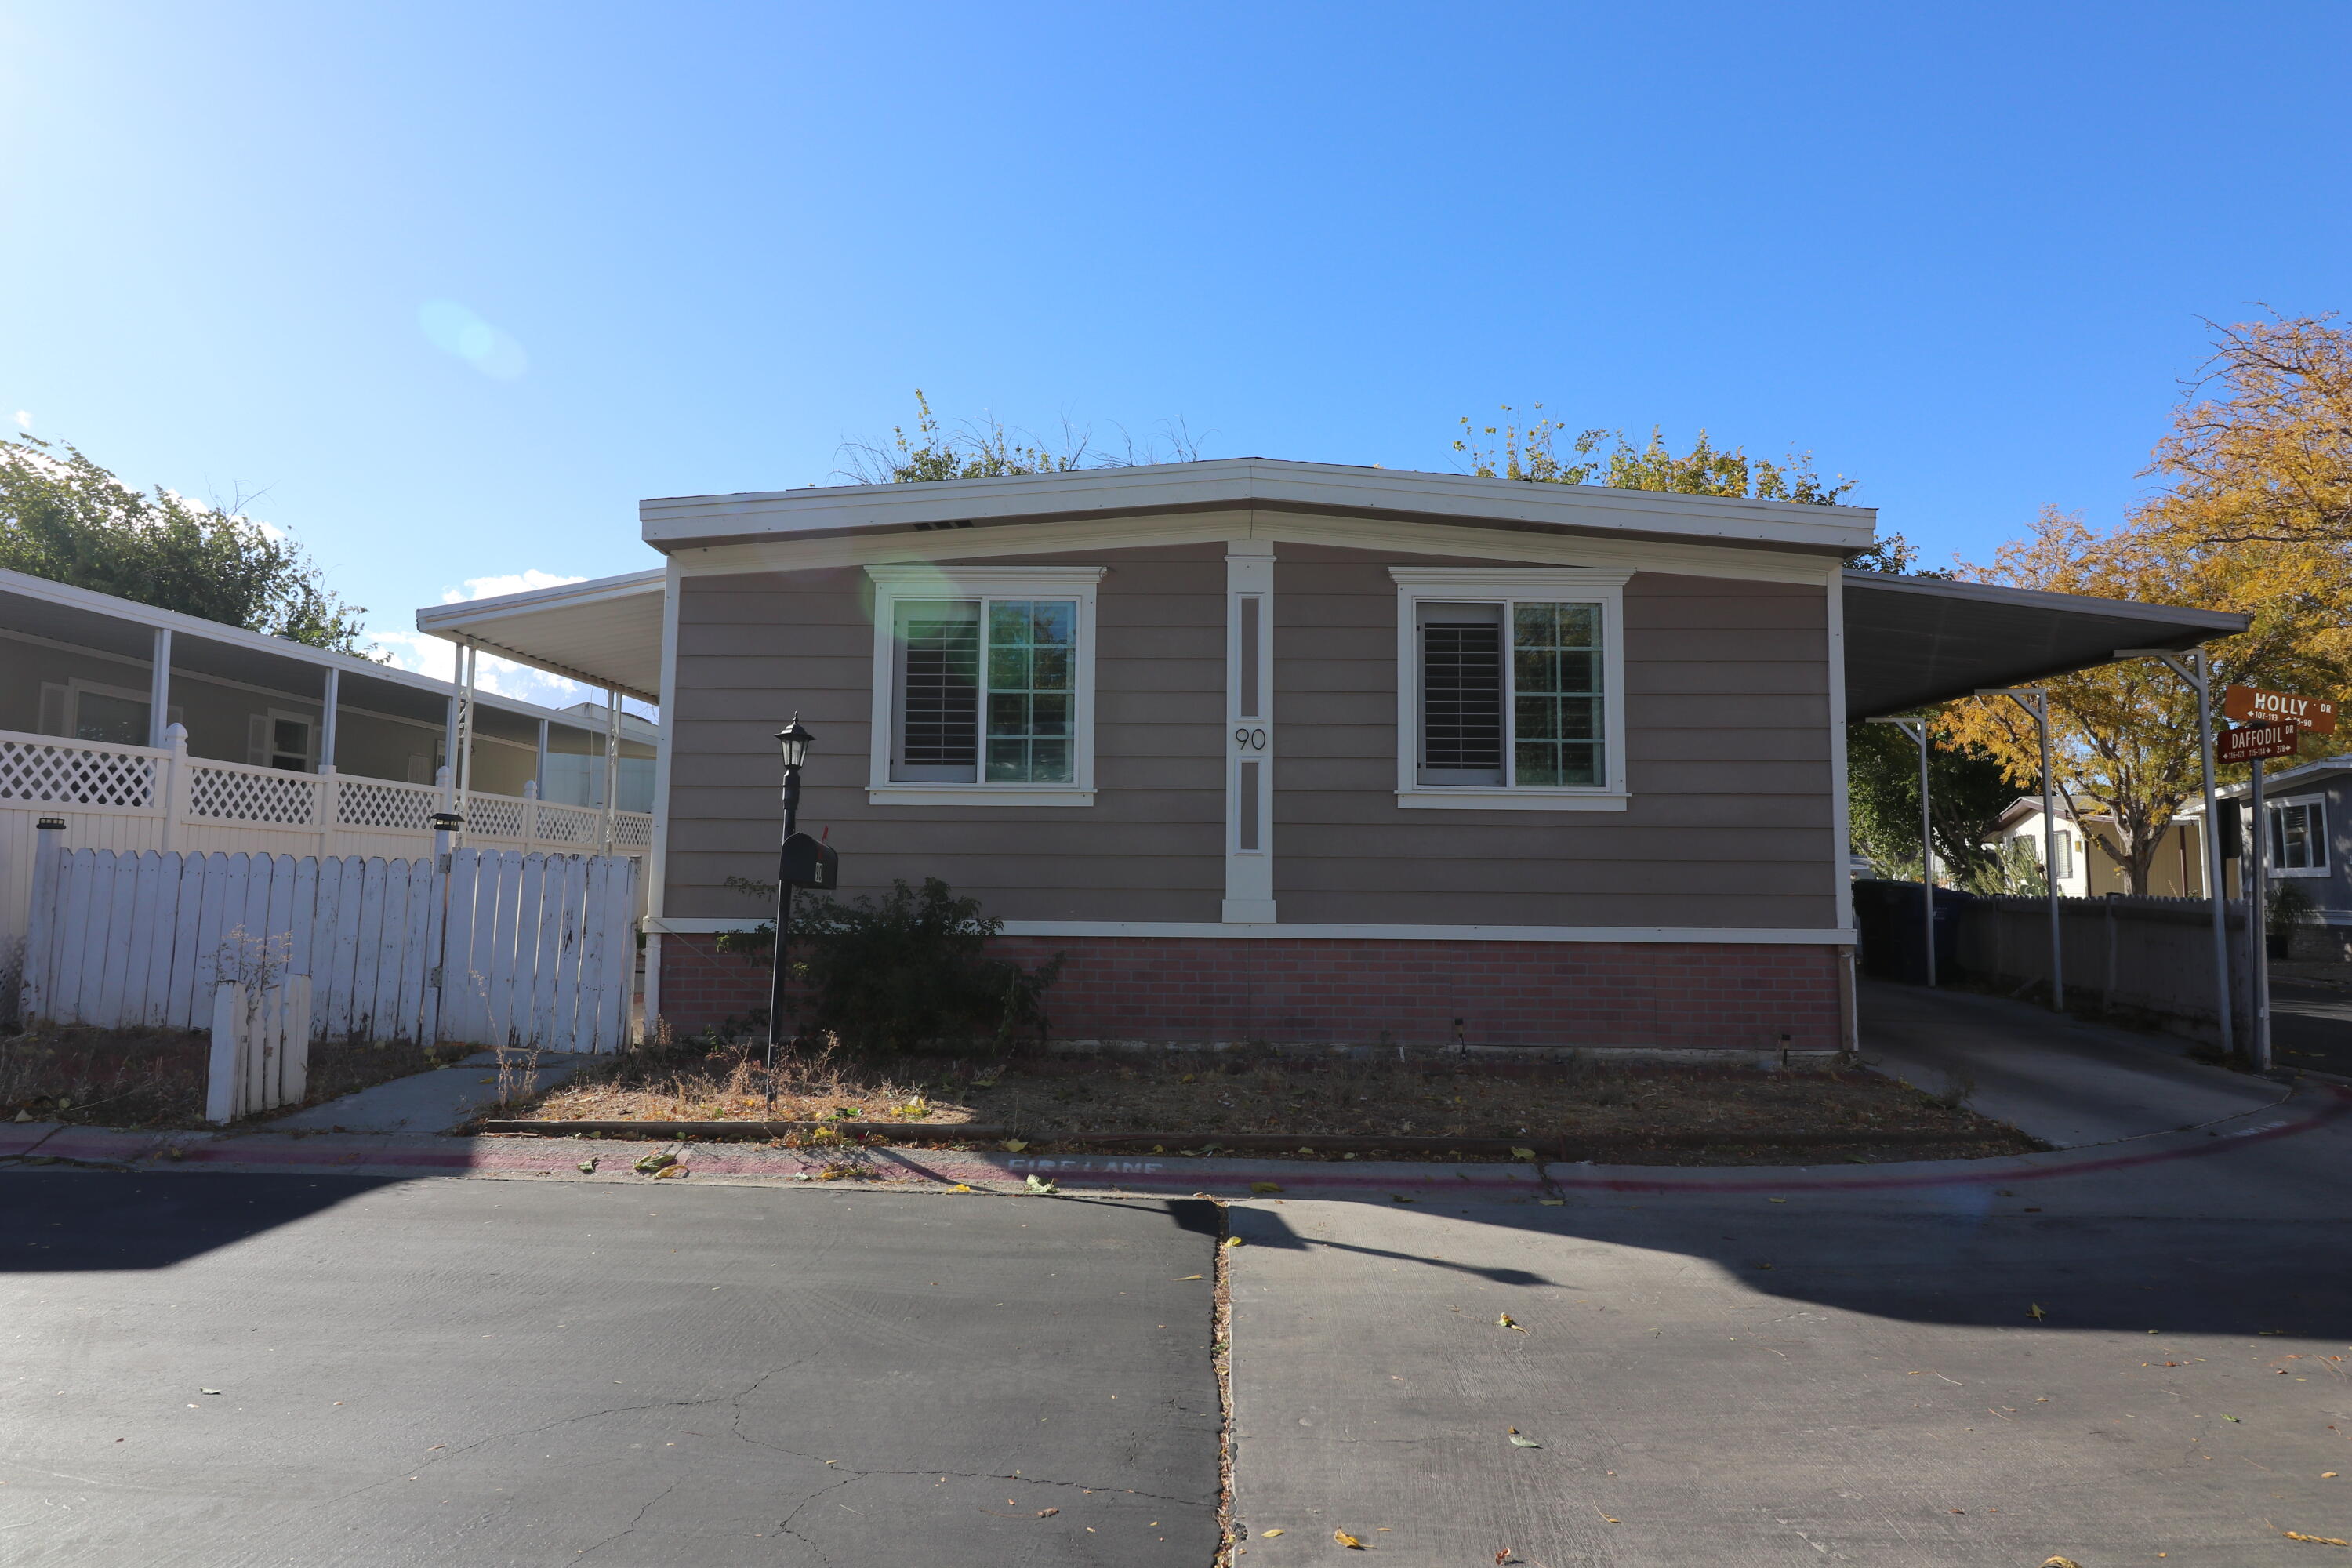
2250,742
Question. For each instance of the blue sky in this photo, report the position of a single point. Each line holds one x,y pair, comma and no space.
458,284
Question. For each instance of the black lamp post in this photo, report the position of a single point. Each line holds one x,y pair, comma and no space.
794,740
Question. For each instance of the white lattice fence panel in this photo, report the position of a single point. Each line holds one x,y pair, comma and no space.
68,774
253,795
388,807
494,816
632,831
569,825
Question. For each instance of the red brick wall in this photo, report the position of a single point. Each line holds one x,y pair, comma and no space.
1359,991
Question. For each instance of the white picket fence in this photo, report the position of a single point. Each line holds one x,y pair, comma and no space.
497,948
139,798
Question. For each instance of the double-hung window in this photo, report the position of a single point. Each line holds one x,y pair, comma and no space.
2299,838
983,685
1510,688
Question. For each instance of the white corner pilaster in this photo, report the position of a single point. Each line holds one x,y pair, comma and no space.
1249,732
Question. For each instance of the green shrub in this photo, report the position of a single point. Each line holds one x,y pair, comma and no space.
903,972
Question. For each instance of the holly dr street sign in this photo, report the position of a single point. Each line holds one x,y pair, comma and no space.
2253,743
2315,714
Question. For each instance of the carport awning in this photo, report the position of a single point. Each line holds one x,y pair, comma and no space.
1911,641
606,631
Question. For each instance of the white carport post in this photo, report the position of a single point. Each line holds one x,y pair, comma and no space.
330,702
159,690
461,760
1917,730
2035,700
612,758
2194,667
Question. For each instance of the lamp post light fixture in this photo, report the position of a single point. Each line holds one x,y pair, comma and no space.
794,742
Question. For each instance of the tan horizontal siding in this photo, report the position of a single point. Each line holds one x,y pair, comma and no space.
754,647
1729,823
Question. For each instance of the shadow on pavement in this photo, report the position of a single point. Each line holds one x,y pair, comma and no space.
2206,1276
63,1221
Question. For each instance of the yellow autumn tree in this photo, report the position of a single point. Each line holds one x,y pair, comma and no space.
2125,736
2260,450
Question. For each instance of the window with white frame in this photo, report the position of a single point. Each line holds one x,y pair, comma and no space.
2299,837
983,684
1510,687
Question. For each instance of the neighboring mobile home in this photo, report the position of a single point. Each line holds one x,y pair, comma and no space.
2087,871
1297,752
146,728
2308,838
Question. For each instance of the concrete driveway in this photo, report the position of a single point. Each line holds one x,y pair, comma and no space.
228,1369
2127,1354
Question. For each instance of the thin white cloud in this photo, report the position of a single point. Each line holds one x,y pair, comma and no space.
511,583
24,420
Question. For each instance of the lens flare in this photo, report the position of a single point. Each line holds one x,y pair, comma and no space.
453,328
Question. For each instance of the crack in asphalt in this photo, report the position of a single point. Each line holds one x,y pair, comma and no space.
636,1519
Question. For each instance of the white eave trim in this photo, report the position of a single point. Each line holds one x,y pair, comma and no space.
1250,482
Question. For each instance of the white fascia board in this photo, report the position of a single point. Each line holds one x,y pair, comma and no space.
440,619
1250,483
173,621
1772,936
1379,534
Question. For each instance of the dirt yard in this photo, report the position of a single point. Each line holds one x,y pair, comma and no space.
155,1077
1203,1095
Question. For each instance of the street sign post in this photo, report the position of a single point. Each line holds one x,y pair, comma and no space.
2255,743
2316,714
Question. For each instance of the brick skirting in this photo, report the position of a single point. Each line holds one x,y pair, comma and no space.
1722,996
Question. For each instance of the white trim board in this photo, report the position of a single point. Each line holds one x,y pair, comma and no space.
1775,936
1090,534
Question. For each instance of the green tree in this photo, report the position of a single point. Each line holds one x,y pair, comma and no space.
985,448
1534,452
1967,790
65,518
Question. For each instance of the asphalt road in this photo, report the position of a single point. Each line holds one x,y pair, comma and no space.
206,1369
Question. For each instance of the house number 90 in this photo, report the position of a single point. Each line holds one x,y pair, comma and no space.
1250,739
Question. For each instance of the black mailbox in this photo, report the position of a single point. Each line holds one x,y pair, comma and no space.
808,864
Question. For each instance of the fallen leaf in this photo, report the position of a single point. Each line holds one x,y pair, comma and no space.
23,1115
1776,1200
960,1187
1399,1198
208,1391
2314,1539
1265,1187
2233,1418
1506,1321
1037,1186
1193,1277
2327,1475
1047,1513
2068,1562
1270,1533
654,1162
1553,1203
1519,1153
1305,1150
667,1172
587,1167
1233,1241
1348,1540
1519,1442
2035,1311
1014,1145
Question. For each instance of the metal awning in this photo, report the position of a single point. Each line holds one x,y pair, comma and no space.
606,631
1909,641
1912,641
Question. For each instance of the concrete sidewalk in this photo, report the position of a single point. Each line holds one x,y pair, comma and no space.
426,1101
2066,1082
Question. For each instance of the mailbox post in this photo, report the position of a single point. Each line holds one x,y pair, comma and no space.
794,740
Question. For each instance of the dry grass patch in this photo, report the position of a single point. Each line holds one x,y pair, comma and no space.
155,1077
1200,1095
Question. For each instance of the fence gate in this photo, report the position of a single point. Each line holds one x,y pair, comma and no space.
495,947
